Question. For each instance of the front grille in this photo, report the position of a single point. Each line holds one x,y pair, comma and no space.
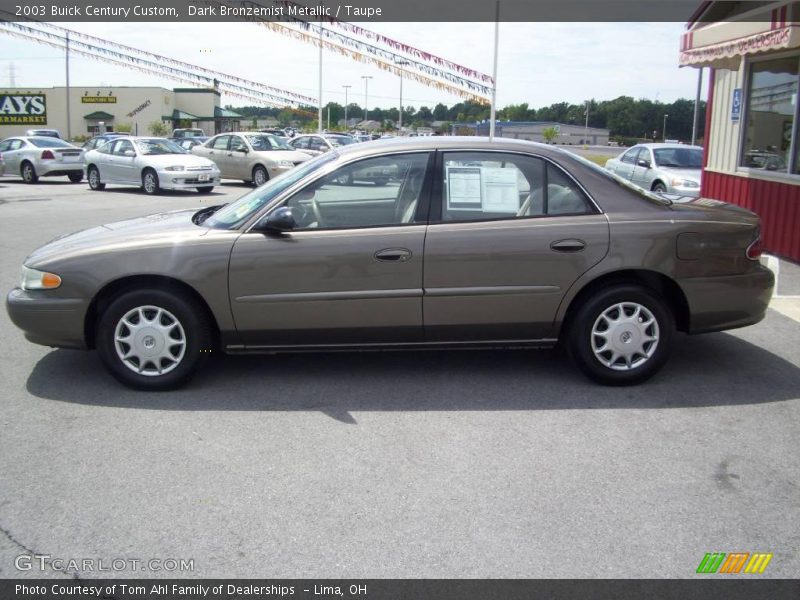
199,168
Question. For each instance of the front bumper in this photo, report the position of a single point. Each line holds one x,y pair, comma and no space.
728,302
182,180
56,322
684,191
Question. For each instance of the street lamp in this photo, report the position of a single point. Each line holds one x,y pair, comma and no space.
664,128
401,63
366,79
346,87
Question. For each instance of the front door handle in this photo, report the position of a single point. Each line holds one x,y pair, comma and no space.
393,255
571,245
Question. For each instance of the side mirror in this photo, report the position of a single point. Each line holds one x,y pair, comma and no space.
130,153
242,149
322,148
278,220
643,162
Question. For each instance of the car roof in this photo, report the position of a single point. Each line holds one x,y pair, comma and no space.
656,145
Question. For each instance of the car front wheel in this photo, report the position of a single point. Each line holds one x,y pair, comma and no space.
621,335
150,182
93,175
153,339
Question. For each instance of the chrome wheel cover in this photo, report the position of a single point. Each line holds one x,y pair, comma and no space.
27,172
150,341
625,336
149,183
259,177
94,178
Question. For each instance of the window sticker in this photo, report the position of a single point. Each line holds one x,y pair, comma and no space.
464,188
500,191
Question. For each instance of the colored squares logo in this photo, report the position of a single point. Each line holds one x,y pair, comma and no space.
734,562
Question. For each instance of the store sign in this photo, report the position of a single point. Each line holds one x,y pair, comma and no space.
98,99
736,105
23,109
139,108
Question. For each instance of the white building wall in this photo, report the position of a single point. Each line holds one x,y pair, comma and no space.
723,153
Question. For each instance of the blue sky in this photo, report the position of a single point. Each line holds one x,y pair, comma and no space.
539,63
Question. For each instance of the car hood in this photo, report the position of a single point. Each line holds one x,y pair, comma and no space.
690,174
169,160
293,155
162,229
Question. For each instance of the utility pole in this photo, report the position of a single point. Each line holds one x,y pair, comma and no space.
664,128
69,120
494,71
366,79
329,117
346,87
586,128
319,113
400,64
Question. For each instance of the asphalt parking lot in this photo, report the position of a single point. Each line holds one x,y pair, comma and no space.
416,464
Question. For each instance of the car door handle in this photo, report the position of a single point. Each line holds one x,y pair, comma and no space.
393,255
572,245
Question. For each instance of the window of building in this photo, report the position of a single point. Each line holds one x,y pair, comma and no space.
771,116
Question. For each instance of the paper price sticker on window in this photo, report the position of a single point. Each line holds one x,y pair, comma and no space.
464,189
500,192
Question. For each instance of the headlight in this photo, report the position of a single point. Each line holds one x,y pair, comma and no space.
176,168
38,280
285,163
685,183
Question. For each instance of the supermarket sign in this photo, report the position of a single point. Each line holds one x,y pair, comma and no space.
23,109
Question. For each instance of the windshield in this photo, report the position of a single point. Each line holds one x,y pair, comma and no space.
679,158
623,183
154,146
267,141
340,140
236,213
46,142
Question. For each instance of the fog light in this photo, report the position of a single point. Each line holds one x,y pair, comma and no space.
174,180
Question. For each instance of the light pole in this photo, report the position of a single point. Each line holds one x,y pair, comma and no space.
401,63
492,112
664,128
346,87
366,79
586,128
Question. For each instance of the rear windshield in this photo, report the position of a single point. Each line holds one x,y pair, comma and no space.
42,142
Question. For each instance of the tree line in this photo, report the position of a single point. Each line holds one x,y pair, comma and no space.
624,117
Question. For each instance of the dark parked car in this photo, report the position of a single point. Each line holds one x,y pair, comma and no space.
473,243
101,139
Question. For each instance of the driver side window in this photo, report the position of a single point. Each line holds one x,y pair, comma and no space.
374,192
121,146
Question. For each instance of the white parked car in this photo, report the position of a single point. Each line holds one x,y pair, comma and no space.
666,168
32,157
150,163
251,156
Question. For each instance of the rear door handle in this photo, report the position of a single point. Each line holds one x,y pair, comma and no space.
393,255
571,245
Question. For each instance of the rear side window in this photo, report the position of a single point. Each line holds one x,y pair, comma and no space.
220,143
486,186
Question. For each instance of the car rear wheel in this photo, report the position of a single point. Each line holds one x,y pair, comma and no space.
153,339
150,182
621,335
206,189
260,176
75,177
93,175
29,173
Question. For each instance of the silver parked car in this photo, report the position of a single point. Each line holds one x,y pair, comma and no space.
32,157
473,243
670,168
150,163
251,156
319,143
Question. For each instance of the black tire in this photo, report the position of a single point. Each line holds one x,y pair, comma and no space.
93,176
195,331
585,340
206,189
659,187
75,177
150,183
28,172
260,176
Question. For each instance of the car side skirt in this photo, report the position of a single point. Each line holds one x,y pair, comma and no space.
459,345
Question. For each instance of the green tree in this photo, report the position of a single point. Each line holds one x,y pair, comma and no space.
549,134
123,127
158,128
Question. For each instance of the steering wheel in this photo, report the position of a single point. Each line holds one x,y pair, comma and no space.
317,211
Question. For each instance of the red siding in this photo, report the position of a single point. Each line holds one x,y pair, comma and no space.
778,205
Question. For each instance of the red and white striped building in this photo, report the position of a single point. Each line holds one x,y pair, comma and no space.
752,135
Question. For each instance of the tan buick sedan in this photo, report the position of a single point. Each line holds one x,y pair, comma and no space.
472,243
251,156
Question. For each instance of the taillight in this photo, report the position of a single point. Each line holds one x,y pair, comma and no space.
755,249
48,154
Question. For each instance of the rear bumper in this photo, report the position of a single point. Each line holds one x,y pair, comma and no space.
56,322
728,302
55,169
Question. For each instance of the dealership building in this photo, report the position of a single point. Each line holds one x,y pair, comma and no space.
95,110
752,141
565,133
